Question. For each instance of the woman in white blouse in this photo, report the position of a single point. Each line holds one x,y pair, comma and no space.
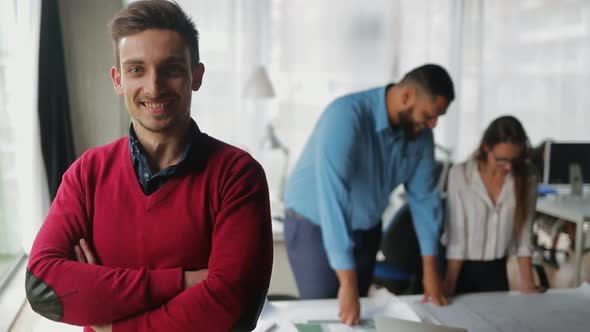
490,207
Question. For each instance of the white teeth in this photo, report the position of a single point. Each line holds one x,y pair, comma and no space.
155,105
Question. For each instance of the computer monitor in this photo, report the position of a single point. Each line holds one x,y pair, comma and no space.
558,158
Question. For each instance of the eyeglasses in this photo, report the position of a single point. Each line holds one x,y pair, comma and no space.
506,161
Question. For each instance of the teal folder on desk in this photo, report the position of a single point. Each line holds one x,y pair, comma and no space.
386,324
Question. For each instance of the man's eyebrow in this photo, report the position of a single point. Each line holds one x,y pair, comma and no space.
174,59
168,60
133,62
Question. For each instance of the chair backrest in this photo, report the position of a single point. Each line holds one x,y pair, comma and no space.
400,243
441,170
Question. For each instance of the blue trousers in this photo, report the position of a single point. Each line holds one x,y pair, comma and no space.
314,277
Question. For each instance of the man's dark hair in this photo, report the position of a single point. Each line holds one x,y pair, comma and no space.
433,80
154,14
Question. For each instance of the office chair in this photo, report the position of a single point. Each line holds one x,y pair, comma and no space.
547,247
401,271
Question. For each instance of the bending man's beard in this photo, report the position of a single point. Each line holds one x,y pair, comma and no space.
407,125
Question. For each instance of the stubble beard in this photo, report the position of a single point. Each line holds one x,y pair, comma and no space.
407,125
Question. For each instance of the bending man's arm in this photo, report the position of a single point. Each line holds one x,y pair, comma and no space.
62,289
337,133
426,208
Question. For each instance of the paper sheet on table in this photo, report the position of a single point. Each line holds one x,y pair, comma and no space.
556,310
381,303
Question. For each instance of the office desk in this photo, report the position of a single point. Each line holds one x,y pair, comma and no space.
573,209
556,310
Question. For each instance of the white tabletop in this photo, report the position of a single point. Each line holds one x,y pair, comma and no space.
555,310
567,207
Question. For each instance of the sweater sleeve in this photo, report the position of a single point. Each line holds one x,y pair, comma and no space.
239,266
62,289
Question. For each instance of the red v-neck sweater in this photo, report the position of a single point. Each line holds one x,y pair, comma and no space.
214,215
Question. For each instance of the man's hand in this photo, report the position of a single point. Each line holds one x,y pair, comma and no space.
431,281
192,278
449,287
453,269
527,283
433,290
348,297
84,254
103,328
531,289
348,300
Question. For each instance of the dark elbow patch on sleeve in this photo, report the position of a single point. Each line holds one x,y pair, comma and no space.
43,299
251,313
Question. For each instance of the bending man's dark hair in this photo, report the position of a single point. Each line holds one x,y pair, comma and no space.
432,79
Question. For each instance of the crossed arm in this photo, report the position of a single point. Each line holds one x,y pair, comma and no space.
84,254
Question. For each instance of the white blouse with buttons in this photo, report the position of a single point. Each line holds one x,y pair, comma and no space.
478,229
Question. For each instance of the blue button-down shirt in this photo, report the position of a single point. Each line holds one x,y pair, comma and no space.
350,165
151,182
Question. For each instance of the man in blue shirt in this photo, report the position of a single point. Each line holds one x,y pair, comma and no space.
364,145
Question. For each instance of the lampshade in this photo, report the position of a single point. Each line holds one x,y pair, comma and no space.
258,85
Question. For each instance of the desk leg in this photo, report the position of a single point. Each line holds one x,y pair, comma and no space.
581,229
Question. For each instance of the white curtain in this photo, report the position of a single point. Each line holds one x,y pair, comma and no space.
230,43
323,49
30,192
535,64
529,58
8,243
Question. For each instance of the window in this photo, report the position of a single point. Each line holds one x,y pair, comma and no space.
323,49
10,241
526,58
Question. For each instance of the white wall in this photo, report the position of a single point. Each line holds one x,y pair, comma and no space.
98,114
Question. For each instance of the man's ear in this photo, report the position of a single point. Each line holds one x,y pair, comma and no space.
198,72
409,96
116,78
